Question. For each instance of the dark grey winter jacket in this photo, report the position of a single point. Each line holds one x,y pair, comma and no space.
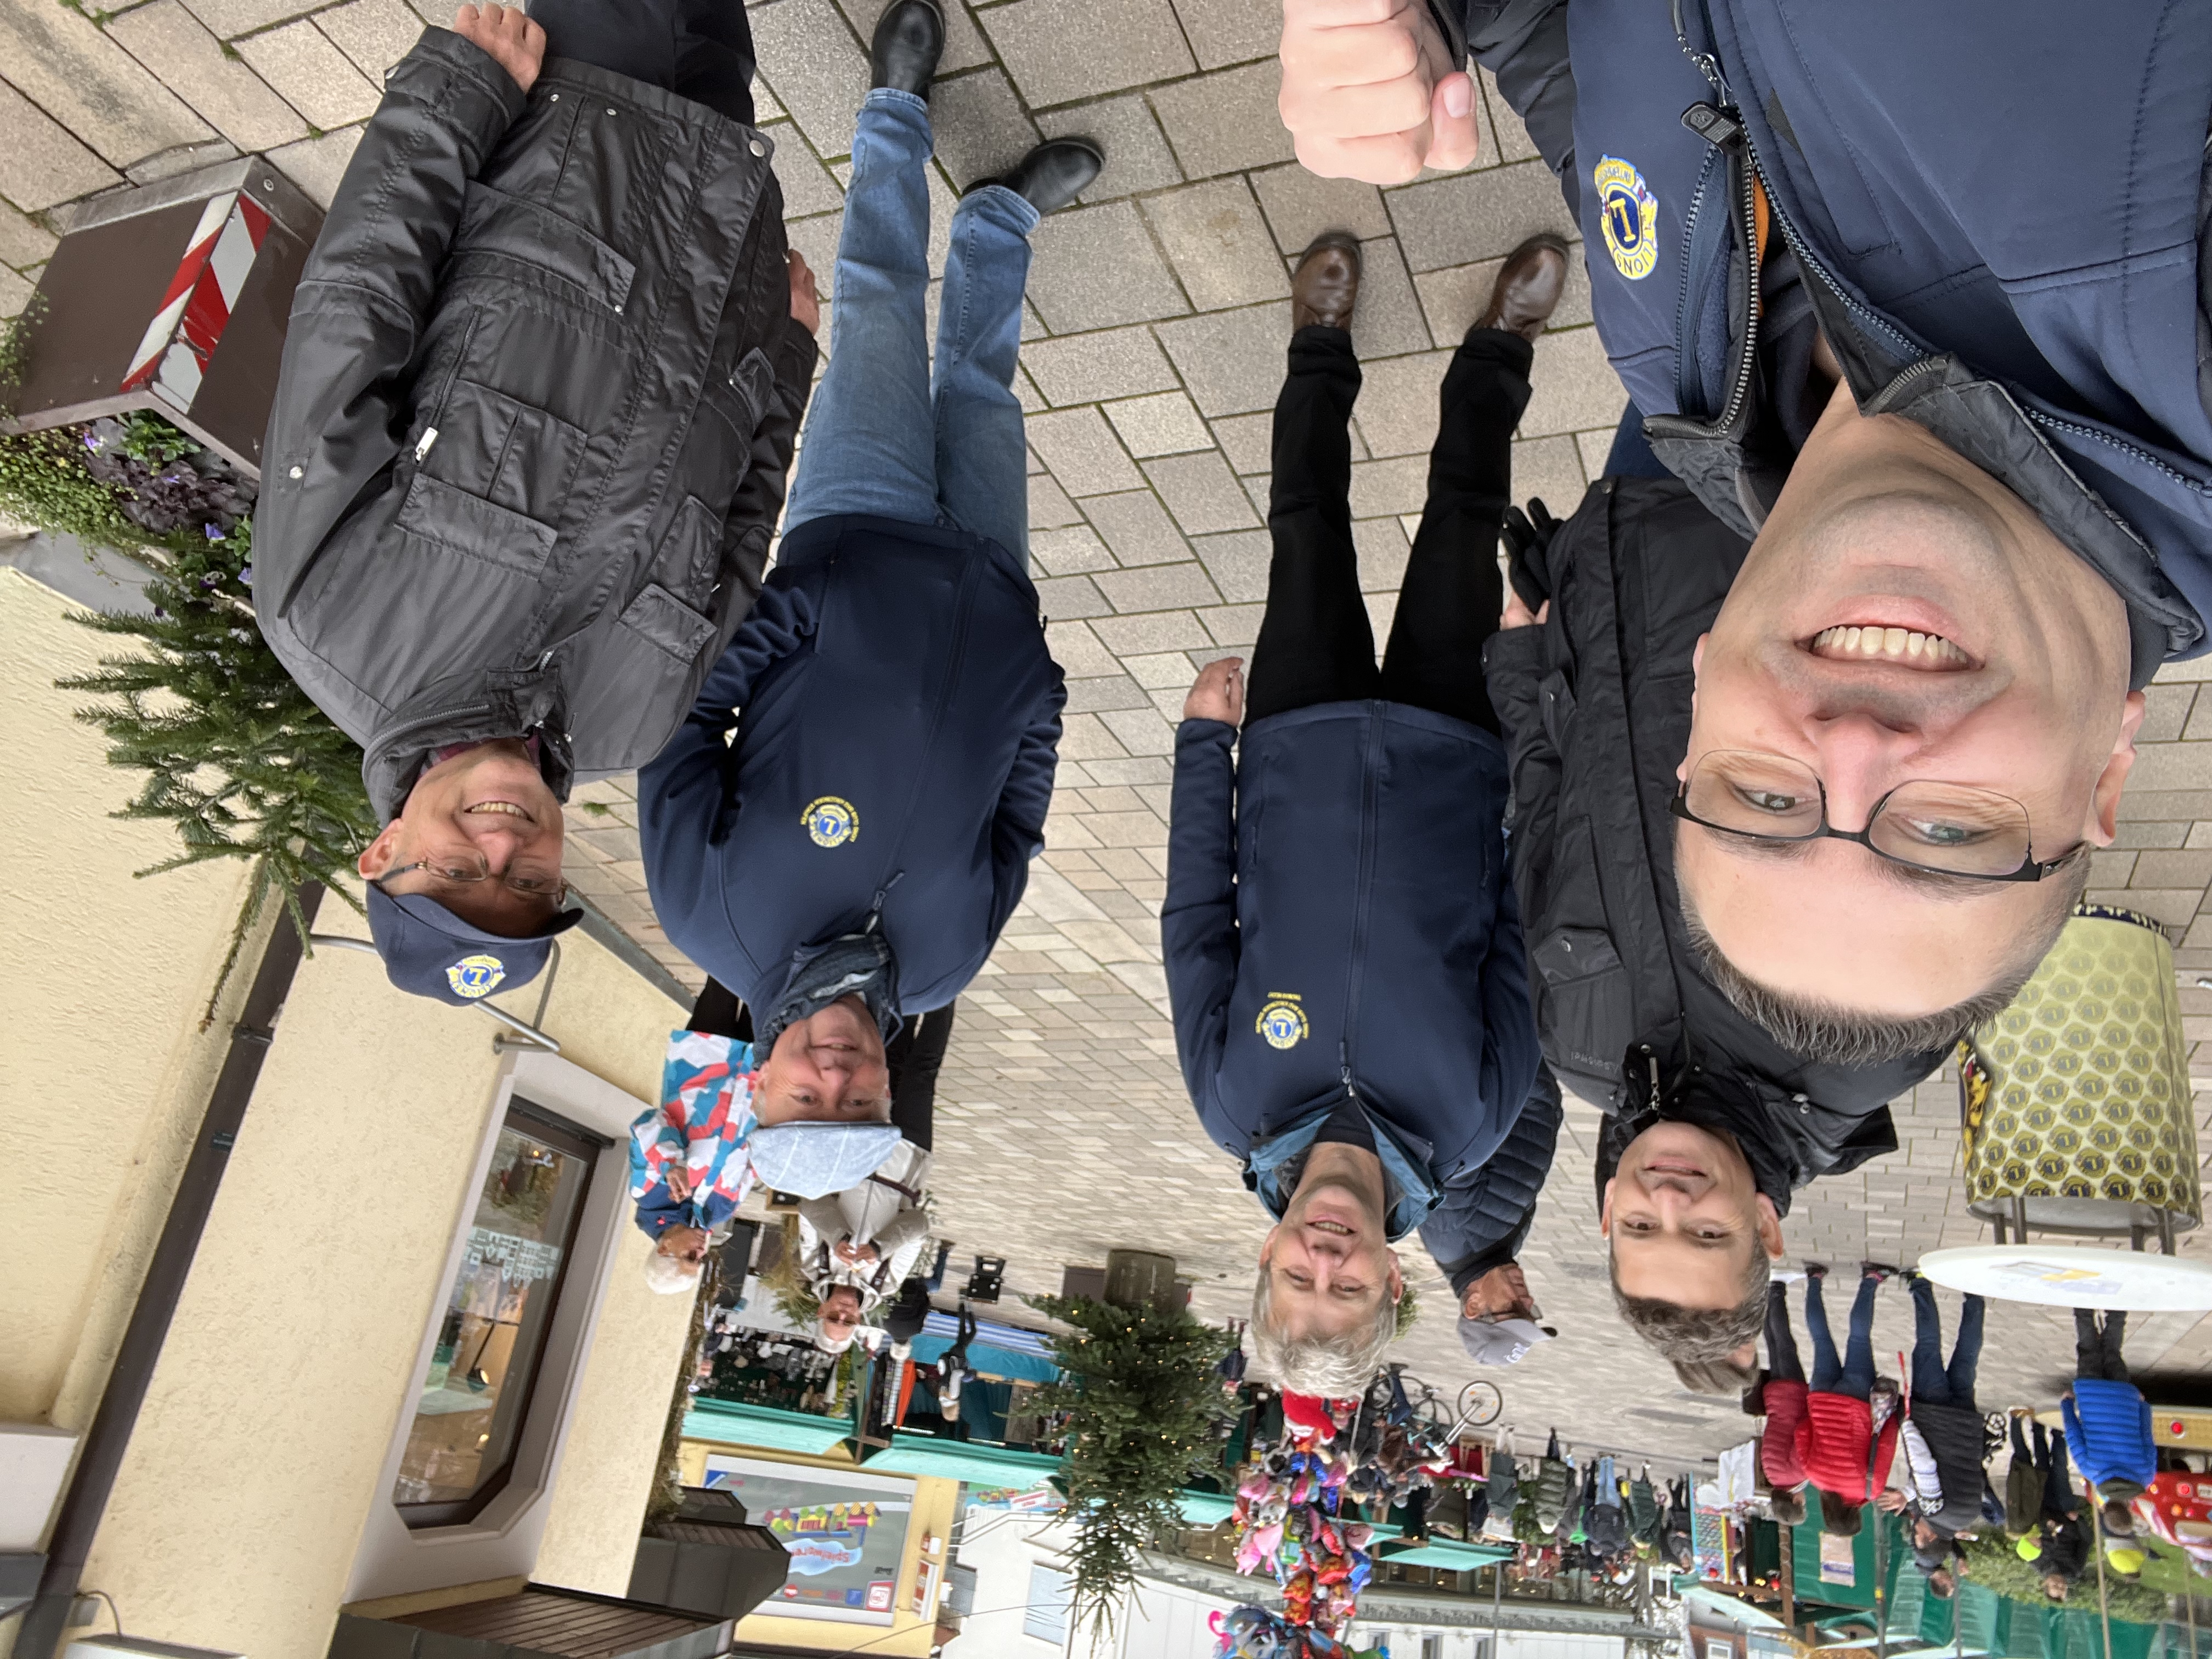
538,400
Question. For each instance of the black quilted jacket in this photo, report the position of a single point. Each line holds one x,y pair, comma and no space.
538,396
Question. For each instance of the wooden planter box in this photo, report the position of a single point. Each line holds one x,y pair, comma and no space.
1137,1279
173,298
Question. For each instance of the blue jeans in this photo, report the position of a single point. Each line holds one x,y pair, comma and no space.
1932,1381
881,439
1854,1374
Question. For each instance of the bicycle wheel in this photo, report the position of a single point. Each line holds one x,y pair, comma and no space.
1480,1402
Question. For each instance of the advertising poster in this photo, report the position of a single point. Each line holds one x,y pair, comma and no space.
846,1532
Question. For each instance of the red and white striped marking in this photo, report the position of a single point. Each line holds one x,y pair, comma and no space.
195,307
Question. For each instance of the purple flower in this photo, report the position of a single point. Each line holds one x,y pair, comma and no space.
214,532
245,574
161,614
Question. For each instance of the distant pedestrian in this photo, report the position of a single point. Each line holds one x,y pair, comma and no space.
1837,1443
2108,1419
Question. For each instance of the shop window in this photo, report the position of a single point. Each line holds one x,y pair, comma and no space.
460,1449
1046,1617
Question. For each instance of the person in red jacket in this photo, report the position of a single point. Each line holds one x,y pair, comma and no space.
1836,1443
1779,1397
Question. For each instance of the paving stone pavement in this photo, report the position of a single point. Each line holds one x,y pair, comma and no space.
1153,348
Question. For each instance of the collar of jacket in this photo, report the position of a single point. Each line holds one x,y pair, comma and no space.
1405,1164
851,964
469,708
643,95
1789,1138
1978,418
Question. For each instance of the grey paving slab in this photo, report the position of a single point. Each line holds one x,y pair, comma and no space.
317,165
1081,450
1059,51
1078,650
814,65
1074,552
980,127
1383,550
175,46
1398,410
374,34
1201,492
807,186
1081,369
1300,206
311,75
180,159
1225,31
1226,122
23,240
61,61
1552,469
1381,488
1049,507
1137,153
1237,562
1483,215
1231,361
1096,267
1066,597
1157,587
40,164
1218,244
232,18
1172,630
1166,423
1136,526
1573,388
15,291
1388,319
1247,440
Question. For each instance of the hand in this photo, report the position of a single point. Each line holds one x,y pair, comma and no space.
1218,694
1515,614
511,40
1891,1499
679,1184
1501,1293
853,1254
805,304
1369,90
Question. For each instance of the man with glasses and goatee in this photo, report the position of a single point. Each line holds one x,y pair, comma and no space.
1712,1122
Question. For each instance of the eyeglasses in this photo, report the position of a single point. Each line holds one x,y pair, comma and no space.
1947,828
467,870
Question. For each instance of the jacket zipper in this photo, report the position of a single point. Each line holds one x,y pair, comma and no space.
973,581
1355,964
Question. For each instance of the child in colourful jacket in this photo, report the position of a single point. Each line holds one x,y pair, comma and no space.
689,1164
1837,1445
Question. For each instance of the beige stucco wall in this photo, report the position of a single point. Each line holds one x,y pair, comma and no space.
236,1517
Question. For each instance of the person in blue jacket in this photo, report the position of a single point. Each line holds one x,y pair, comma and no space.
1343,949
2108,1419
1917,296
850,858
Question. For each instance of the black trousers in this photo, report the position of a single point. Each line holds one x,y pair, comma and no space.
2097,1349
1315,644
1782,1361
914,1056
701,50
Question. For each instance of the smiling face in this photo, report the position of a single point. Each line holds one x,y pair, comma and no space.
1683,1217
840,1318
827,1068
486,809
1329,1259
1903,616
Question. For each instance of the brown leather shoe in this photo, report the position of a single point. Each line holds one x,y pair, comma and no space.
1527,288
1326,285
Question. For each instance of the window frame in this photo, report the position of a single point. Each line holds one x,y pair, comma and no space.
1031,1609
589,1148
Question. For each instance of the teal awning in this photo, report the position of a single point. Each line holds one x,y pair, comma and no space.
733,1423
1205,1508
962,1460
1447,1553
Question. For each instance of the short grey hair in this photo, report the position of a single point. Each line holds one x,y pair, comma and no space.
1332,1367
1829,1034
1697,1339
671,1275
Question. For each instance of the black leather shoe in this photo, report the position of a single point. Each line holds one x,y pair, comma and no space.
910,40
1052,175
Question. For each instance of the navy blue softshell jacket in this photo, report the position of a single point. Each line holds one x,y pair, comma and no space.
894,756
1998,205
1338,920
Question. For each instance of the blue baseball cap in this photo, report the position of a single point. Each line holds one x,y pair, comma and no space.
429,951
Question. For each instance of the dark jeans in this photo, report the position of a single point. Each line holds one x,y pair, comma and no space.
1932,1381
2097,1350
1854,1374
1315,644
1782,1361
701,50
935,1280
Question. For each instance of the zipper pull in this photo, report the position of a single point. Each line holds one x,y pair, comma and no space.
430,436
1721,128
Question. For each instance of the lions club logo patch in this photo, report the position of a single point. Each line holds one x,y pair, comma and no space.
476,976
831,821
1282,1022
1628,215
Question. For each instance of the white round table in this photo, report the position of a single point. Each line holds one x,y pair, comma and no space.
2074,1276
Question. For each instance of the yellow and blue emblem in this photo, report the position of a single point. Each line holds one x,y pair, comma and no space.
476,976
1628,217
1282,1022
831,821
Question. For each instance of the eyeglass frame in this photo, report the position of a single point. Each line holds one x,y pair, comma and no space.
559,895
2031,867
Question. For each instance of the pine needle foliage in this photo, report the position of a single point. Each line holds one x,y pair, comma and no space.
237,759
1142,1400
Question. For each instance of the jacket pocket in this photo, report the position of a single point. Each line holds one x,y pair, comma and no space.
439,512
661,619
689,561
743,396
1586,1010
492,444
503,227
